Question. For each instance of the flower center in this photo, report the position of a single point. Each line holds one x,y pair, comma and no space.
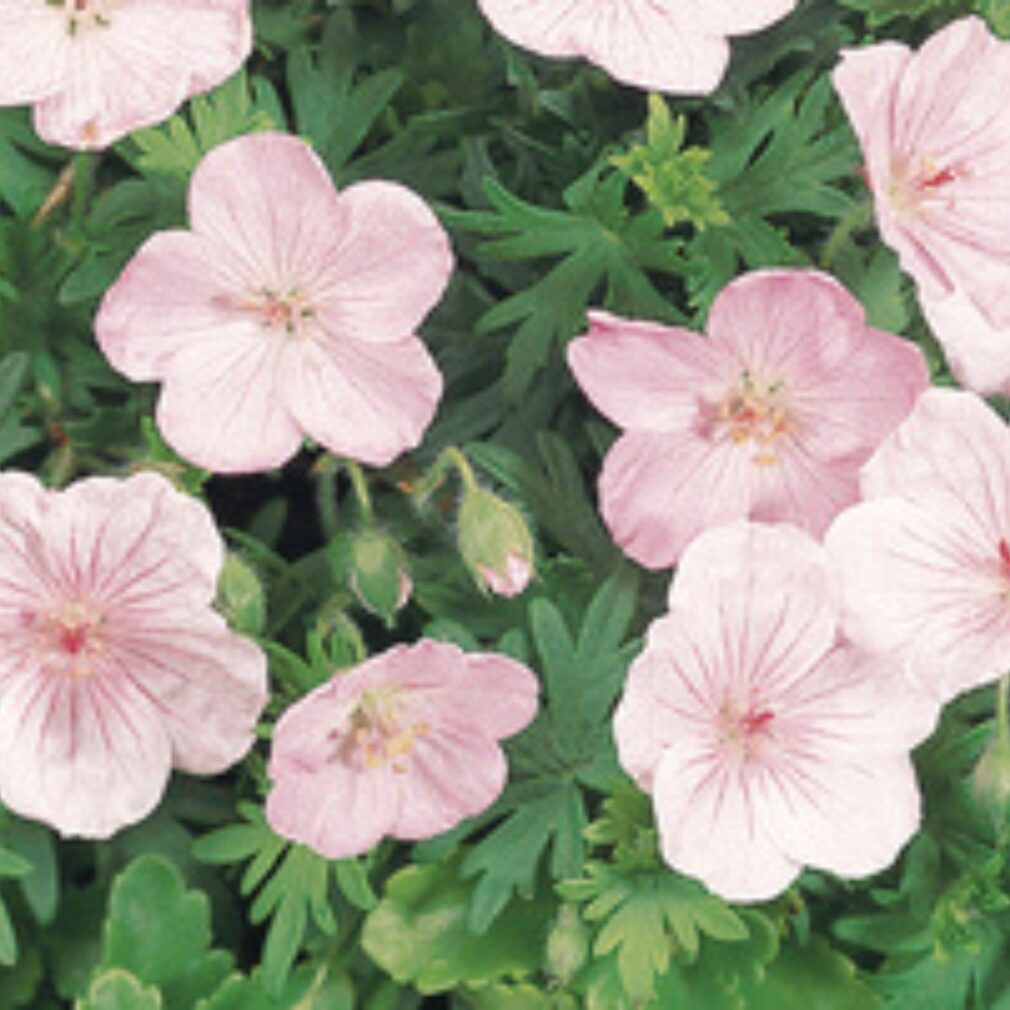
745,729
287,311
755,414
923,181
376,734
81,14
69,638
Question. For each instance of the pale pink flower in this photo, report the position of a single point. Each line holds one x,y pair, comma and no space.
664,45
404,744
97,69
768,417
288,310
114,667
766,742
934,126
925,560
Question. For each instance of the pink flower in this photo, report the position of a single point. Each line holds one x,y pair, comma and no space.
97,69
287,310
404,744
925,560
935,130
664,45
769,417
114,667
766,742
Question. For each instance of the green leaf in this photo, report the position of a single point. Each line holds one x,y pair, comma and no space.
119,990
647,917
507,859
330,109
175,148
40,885
601,247
168,949
418,933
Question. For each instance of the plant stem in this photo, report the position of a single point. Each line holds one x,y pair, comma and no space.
325,471
857,218
450,457
360,488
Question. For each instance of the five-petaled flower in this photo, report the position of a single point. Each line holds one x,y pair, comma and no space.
289,309
934,126
404,744
97,69
114,667
925,560
665,45
770,417
766,742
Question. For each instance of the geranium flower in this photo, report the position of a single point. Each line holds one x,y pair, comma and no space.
114,666
925,560
404,744
664,45
769,417
97,69
768,744
934,126
287,310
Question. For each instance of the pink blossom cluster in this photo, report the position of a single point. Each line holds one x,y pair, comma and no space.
773,708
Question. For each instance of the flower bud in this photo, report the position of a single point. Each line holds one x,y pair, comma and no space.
991,779
377,571
495,543
240,596
567,945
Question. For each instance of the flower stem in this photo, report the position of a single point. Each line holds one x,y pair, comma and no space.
360,488
856,219
325,471
450,458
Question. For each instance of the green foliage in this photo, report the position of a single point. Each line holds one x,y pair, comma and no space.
293,882
419,934
174,149
331,108
119,990
603,249
672,178
169,950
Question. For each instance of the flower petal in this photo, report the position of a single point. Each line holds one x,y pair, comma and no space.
223,405
86,755
643,375
389,267
209,684
268,199
370,402
710,827
657,492
177,290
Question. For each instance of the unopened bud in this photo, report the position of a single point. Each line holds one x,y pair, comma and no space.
377,572
240,596
567,945
495,543
991,779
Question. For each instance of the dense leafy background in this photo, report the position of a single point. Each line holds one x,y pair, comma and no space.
561,190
